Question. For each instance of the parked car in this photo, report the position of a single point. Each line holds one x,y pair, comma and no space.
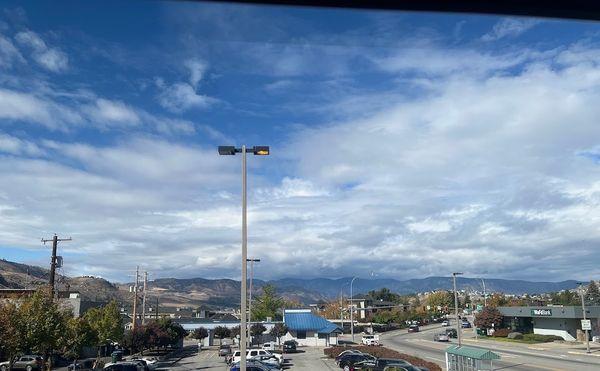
379,364
451,332
270,346
152,362
413,328
347,361
254,365
270,360
124,366
224,350
251,353
289,346
82,365
345,352
446,323
29,362
441,337
405,368
370,339
465,324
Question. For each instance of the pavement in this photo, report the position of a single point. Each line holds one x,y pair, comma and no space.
307,359
514,356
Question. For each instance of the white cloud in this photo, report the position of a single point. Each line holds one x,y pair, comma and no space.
16,146
196,68
510,27
9,54
181,97
110,112
52,59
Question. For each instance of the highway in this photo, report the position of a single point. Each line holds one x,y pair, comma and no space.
513,356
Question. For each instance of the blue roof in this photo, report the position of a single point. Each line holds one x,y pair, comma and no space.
306,321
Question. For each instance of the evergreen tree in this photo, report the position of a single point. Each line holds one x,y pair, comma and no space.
592,294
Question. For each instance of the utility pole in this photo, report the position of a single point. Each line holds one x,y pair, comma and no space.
587,337
157,307
252,260
458,325
342,308
135,297
55,241
144,299
352,309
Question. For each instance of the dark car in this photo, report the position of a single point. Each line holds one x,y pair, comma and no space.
451,332
347,361
380,364
224,350
289,346
413,328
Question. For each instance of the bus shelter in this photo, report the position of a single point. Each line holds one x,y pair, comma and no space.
465,358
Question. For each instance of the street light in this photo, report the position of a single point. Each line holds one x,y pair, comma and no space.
352,310
230,151
458,327
484,295
252,261
587,338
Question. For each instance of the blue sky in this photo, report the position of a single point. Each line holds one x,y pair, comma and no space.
409,144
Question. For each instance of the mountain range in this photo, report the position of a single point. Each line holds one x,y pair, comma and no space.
219,293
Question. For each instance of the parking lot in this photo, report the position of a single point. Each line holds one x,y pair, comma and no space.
306,359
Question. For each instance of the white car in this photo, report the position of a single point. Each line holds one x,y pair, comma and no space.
270,346
370,340
251,353
446,323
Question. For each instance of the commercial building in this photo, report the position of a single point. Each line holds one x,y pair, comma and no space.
563,321
308,329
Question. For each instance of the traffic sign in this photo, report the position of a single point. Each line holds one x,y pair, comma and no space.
586,324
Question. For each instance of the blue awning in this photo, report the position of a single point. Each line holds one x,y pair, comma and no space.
307,321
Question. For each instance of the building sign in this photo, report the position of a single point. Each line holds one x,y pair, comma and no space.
586,324
541,312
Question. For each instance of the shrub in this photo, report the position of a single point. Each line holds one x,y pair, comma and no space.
383,352
541,338
501,332
515,335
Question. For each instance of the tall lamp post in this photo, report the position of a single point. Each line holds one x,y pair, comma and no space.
230,151
587,337
484,295
252,261
352,310
458,327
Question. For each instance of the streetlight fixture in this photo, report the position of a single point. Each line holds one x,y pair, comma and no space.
458,325
252,261
484,295
587,337
352,310
230,151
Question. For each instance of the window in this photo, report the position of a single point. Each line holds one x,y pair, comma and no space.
322,336
253,353
301,334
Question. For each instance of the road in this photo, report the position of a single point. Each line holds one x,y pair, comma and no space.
513,357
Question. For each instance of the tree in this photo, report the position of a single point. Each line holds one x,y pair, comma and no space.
136,340
200,333
268,304
174,330
106,322
44,324
257,329
565,297
333,310
223,332
11,328
592,295
489,317
497,300
279,330
441,299
233,333
79,335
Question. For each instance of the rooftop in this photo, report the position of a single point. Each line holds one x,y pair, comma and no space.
305,320
471,352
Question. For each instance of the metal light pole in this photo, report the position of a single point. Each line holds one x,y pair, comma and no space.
352,310
458,326
250,298
587,338
230,151
484,296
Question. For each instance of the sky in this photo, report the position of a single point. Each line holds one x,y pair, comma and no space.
405,144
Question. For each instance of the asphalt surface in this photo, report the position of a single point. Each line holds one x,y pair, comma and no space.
514,357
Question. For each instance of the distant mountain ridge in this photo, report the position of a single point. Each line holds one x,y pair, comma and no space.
219,293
